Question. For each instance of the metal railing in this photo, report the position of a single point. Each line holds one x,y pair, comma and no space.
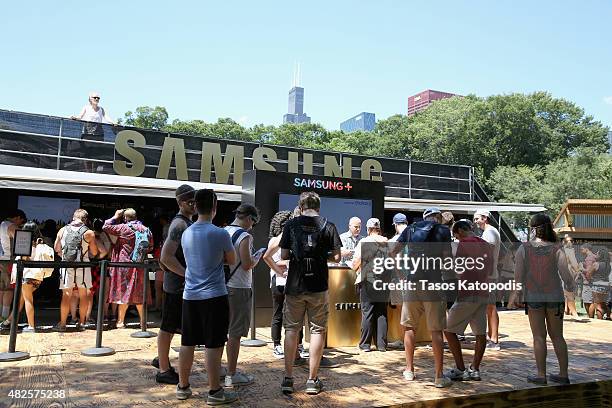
48,138
98,350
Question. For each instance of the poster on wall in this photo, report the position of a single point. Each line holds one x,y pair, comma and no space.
39,209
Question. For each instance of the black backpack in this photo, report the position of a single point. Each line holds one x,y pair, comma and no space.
308,257
418,235
226,268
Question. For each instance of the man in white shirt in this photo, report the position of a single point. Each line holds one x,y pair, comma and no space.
373,310
482,218
350,239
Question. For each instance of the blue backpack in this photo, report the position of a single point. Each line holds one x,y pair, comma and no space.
141,244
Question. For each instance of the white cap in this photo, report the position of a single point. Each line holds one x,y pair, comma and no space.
373,223
483,212
93,94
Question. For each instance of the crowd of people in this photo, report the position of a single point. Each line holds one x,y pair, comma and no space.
118,239
208,275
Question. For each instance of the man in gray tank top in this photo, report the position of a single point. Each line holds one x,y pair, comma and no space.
173,263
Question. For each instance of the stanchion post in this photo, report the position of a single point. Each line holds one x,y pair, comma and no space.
253,341
144,333
100,351
13,355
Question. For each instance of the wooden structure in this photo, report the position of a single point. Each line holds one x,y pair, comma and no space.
585,220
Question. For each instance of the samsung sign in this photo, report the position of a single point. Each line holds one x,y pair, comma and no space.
131,162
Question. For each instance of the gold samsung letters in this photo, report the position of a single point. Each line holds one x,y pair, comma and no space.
227,163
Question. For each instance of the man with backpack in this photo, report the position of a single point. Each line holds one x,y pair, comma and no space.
134,241
239,280
425,302
172,261
308,242
74,243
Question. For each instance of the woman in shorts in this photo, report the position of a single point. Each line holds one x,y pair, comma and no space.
541,266
32,277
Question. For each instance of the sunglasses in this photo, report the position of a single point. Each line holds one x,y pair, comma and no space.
95,97
255,219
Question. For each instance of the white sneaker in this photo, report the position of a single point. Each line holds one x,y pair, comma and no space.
228,382
409,375
183,393
443,382
493,346
278,352
471,375
303,353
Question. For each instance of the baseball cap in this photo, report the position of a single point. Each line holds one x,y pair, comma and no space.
431,211
399,218
185,192
483,212
373,223
94,94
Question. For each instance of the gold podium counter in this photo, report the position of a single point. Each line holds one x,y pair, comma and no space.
344,321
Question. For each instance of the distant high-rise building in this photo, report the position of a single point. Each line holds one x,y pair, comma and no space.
423,99
296,102
363,121
610,141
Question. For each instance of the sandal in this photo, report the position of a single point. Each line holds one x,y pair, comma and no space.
534,379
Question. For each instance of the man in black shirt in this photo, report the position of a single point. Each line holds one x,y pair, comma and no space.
308,242
173,262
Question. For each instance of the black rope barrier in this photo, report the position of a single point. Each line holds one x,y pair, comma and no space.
98,350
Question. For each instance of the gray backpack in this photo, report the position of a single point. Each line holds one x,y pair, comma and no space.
72,250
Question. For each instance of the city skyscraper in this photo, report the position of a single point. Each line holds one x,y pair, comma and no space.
296,101
610,141
423,99
363,121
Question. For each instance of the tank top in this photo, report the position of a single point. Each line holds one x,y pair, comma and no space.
92,116
242,278
5,250
174,283
601,274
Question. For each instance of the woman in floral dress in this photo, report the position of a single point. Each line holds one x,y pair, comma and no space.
126,284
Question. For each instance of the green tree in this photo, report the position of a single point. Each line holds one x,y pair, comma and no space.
224,128
146,117
506,130
308,135
583,175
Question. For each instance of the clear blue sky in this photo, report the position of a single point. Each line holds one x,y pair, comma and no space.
205,60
